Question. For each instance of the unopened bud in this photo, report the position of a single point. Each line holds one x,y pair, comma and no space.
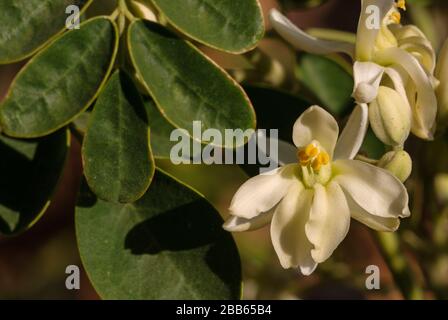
144,10
399,163
390,117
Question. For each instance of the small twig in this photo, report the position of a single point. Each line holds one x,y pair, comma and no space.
390,247
125,10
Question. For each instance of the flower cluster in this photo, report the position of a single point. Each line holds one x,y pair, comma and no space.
393,69
309,203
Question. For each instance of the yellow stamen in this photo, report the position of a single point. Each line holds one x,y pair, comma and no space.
396,17
316,165
311,150
401,4
304,159
324,158
312,155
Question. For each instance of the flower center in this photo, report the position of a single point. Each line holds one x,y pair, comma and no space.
314,162
401,4
385,38
313,156
395,17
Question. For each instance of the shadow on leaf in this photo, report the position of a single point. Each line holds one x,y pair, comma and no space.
186,227
29,173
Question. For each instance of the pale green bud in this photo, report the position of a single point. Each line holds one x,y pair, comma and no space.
143,9
399,163
390,117
442,90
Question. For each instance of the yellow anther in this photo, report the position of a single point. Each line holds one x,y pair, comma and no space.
395,17
317,164
304,159
313,156
324,158
311,150
401,4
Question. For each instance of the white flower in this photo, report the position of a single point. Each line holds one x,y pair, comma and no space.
309,203
397,56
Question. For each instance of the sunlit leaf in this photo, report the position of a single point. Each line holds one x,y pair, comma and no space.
229,25
26,25
117,157
61,81
185,85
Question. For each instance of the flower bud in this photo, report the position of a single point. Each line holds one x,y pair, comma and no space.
390,117
442,90
143,10
399,163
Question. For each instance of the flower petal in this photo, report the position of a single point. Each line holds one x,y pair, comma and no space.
403,32
397,81
237,224
329,220
367,34
425,107
367,77
261,193
420,48
288,230
374,222
303,41
374,189
352,136
316,124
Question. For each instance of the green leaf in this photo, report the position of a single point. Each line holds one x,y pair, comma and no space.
185,84
328,81
29,172
61,81
116,153
372,147
228,25
168,245
27,25
161,131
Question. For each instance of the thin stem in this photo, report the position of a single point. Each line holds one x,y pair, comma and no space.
390,247
124,9
115,14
